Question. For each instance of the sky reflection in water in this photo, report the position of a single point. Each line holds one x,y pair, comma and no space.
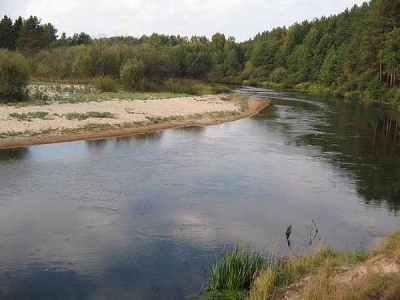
144,217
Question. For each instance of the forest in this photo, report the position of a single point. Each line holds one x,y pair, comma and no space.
355,54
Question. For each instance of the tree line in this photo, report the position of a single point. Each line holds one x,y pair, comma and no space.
28,36
354,54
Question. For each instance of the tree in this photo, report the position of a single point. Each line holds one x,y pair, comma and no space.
18,23
7,34
132,73
391,56
49,35
14,76
198,61
30,38
218,41
327,72
80,39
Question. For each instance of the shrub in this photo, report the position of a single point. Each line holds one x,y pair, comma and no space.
105,84
14,76
278,75
132,74
179,87
352,95
221,89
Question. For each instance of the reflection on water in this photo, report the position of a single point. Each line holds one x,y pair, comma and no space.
143,217
14,153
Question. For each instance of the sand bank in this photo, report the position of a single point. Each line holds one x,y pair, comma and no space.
20,126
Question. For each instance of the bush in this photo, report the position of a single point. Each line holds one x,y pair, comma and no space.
353,95
221,89
278,75
14,76
105,84
179,87
132,74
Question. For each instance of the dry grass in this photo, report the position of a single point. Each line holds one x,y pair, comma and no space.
331,275
372,286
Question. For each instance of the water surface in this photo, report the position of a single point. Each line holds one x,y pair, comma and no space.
143,217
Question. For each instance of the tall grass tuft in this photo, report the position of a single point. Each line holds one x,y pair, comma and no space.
235,271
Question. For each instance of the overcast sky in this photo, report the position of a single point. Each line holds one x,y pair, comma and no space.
239,18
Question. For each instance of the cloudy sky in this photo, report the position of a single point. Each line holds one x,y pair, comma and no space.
239,18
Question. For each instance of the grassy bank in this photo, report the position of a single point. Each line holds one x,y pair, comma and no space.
324,274
359,91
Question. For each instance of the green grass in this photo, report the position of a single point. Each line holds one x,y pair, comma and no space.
233,272
273,85
30,115
314,88
89,114
100,97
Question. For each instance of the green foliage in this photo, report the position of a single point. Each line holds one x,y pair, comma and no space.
30,115
278,75
327,71
55,63
391,56
98,59
7,34
273,85
89,114
234,271
359,45
14,76
132,74
33,36
180,87
105,84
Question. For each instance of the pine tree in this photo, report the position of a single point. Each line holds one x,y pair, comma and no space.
7,34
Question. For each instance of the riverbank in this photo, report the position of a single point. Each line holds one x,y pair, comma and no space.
371,273
366,274
64,122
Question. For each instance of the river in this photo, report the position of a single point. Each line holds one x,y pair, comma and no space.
144,217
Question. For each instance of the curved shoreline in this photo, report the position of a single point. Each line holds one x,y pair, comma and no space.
255,105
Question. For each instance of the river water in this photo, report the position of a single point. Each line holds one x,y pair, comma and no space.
143,217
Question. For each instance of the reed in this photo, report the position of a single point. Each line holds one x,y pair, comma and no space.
234,271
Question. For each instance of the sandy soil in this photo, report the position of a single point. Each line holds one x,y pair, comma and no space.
123,111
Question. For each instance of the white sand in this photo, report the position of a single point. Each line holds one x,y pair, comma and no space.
123,110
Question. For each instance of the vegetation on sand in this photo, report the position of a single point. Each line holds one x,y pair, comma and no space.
89,114
30,115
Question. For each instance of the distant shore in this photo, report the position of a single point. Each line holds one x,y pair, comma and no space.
65,122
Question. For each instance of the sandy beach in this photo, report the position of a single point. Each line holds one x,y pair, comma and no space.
20,127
